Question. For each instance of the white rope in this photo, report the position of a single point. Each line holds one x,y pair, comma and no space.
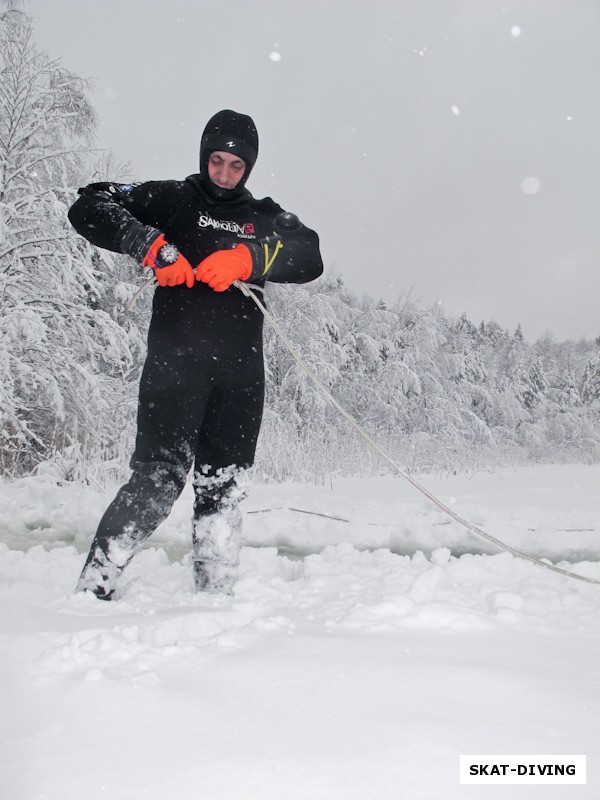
133,301
245,289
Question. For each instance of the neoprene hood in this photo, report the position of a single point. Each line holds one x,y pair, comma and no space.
231,132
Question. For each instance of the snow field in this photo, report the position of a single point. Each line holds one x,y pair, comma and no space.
347,673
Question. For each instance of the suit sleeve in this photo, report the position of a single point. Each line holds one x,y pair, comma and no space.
290,255
123,218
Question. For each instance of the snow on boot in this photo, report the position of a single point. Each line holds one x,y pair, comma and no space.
100,572
216,540
217,529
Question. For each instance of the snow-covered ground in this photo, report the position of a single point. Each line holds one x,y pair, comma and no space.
359,657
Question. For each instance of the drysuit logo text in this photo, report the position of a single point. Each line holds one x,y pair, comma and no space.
244,230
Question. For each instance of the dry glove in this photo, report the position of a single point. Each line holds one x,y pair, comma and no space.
170,267
223,267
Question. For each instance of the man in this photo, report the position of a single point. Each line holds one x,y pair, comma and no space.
202,386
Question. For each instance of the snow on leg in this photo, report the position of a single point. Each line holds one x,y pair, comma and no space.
217,540
217,529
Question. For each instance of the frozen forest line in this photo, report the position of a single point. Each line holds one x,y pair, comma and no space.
439,393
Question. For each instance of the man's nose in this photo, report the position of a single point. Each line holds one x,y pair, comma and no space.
222,174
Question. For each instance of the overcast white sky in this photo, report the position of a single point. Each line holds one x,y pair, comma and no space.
451,147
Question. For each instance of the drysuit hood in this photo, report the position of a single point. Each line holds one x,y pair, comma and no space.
231,132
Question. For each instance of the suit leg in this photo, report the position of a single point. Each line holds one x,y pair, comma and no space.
226,447
169,410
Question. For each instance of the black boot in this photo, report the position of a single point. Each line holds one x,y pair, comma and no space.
99,575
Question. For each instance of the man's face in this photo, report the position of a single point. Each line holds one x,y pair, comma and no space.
225,170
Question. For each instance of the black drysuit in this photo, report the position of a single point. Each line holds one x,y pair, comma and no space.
202,386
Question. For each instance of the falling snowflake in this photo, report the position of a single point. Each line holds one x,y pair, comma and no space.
531,185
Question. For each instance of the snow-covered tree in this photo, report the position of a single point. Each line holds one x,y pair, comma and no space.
62,354
590,382
434,392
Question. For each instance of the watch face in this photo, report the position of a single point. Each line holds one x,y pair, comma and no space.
168,254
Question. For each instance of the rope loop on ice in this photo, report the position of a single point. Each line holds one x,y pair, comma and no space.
248,291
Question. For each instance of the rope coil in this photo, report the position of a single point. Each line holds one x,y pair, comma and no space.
247,289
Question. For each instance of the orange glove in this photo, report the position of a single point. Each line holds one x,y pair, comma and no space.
223,267
170,267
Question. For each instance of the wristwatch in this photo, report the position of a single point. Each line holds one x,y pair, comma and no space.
168,254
